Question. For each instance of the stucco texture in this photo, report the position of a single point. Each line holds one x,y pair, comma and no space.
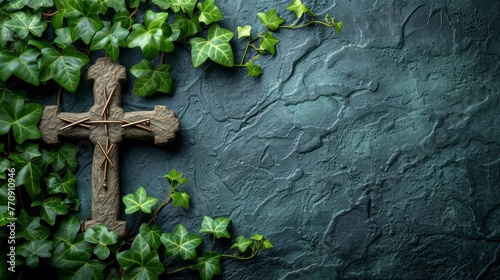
371,154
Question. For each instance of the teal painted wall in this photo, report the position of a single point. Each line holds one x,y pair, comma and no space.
372,154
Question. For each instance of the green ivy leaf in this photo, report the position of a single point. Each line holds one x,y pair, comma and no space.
21,117
139,201
90,269
56,184
101,236
36,4
244,31
4,165
32,250
29,174
73,203
151,235
64,157
188,26
267,244
101,6
186,6
242,243
23,66
298,8
163,4
269,42
110,38
217,227
66,231
58,19
208,266
181,199
5,212
135,3
181,242
151,80
15,5
71,256
209,12
124,18
216,47
28,150
153,36
257,237
175,178
271,19
6,92
5,35
254,70
140,262
23,24
5,217
63,38
117,5
51,207
83,19
73,260
30,228
338,27
41,44
63,68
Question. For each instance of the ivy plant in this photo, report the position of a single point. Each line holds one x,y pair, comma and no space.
51,42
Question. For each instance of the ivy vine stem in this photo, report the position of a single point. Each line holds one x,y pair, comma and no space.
50,14
176,270
167,261
161,57
165,202
59,95
309,22
137,223
235,256
134,12
250,44
213,243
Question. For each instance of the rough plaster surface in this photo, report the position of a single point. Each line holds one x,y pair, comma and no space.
372,154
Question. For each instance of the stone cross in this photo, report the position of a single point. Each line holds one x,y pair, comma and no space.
106,125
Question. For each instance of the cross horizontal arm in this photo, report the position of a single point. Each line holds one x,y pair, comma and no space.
53,120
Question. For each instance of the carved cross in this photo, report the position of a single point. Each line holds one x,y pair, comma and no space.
106,125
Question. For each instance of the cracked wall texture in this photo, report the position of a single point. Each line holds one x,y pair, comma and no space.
371,154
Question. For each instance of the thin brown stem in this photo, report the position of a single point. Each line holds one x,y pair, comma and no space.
50,14
250,44
137,224
213,243
134,12
58,100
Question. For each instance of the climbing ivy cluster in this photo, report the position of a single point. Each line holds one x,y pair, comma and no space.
52,42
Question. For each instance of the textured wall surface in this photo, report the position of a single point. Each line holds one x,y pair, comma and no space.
372,154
